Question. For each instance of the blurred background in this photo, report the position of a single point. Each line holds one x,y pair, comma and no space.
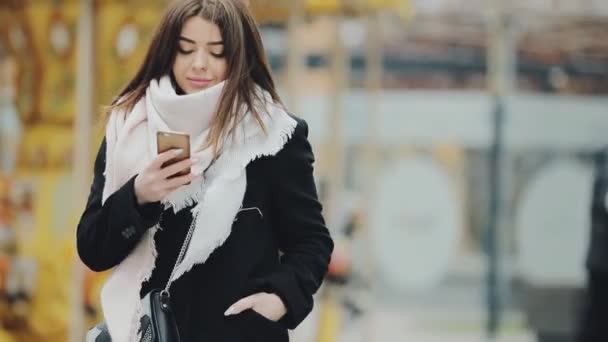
455,144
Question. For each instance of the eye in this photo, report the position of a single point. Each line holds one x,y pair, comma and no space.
184,51
218,55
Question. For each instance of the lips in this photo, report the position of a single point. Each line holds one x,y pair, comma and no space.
199,82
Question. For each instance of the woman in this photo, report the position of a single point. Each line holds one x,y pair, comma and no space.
594,309
259,248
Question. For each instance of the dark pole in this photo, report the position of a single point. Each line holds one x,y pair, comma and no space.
492,242
500,72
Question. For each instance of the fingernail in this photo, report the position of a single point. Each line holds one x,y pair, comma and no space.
229,312
178,152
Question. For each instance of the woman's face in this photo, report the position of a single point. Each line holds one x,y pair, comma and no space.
200,61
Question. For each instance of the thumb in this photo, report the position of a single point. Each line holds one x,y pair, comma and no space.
240,306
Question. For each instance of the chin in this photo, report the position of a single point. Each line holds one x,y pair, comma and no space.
198,89
190,90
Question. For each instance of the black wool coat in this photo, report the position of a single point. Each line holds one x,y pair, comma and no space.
282,248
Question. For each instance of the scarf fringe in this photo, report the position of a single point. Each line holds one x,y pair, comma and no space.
140,263
186,196
229,172
143,278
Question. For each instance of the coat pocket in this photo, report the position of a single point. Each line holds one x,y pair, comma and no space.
254,327
249,211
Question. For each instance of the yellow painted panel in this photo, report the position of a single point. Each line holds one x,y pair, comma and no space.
123,35
323,6
16,35
45,225
46,147
54,30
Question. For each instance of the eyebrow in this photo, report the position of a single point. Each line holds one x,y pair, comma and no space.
187,39
219,42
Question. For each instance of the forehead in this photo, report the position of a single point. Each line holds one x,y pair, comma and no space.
201,30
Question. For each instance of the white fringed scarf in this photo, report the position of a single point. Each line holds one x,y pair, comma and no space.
217,197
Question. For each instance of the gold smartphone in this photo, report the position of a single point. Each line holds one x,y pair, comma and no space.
168,141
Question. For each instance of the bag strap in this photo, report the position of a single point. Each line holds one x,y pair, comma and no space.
180,258
182,252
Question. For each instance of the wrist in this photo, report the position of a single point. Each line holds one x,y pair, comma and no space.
139,200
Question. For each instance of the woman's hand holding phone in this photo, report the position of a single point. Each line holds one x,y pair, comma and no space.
155,182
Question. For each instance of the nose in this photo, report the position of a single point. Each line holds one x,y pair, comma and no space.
200,61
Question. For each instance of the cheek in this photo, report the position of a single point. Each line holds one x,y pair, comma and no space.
178,65
221,69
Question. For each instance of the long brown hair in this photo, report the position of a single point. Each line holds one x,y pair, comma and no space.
244,53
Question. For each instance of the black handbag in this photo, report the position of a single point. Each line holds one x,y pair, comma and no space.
157,324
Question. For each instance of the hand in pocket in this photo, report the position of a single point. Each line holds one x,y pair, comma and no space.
268,305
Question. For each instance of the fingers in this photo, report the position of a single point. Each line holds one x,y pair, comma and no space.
176,182
172,169
165,157
241,305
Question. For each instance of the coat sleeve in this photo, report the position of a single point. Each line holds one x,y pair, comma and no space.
303,237
107,233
